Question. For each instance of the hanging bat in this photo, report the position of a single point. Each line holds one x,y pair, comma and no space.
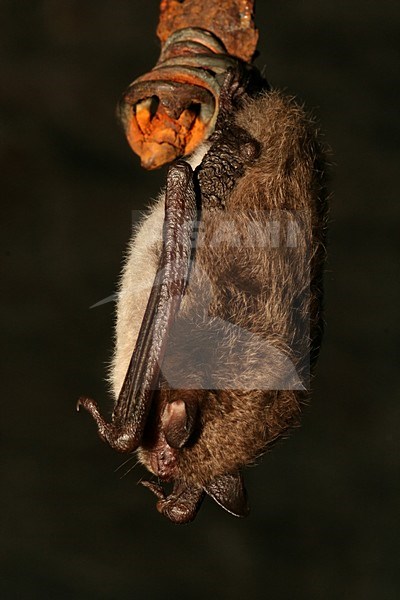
221,300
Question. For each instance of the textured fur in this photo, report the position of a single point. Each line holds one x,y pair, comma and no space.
250,323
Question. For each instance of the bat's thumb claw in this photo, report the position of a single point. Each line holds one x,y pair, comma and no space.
155,488
87,403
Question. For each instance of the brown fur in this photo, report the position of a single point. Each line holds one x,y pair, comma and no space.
241,285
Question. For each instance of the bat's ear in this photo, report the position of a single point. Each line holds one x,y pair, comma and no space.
229,492
178,420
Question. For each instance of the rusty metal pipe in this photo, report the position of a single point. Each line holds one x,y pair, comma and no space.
169,111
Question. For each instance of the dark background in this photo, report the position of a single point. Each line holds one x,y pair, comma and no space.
325,503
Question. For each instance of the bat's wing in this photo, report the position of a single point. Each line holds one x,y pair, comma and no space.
229,492
125,430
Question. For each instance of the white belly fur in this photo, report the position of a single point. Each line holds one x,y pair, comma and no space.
137,279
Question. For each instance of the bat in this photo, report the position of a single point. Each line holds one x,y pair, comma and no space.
221,299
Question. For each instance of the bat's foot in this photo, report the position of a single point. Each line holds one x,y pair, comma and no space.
233,87
121,438
181,506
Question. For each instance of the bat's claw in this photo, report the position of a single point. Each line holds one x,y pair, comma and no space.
87,403
91,407
156,488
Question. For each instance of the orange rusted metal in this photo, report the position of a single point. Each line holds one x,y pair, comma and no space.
169,111
231,21
158,138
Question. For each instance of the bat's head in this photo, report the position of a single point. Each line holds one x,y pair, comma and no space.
170,450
